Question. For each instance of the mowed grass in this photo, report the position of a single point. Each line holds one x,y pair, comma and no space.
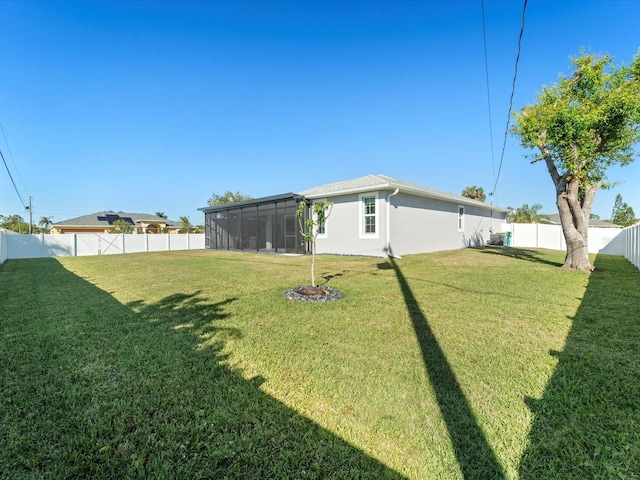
476,363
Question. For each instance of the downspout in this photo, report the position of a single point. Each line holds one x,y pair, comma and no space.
388,248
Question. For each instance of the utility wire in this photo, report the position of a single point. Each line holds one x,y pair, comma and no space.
15,168
11,177
486,69
513,89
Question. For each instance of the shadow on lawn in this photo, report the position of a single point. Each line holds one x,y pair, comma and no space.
475,456
520,254
141,391
587,423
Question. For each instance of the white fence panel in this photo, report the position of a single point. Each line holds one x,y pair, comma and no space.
47,245
3,246
536,235
87,245
179,242
632,244
134,243
159,243
196,241
38,246
110,244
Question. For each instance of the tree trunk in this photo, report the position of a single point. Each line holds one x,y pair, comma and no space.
574,218
313,263
577,251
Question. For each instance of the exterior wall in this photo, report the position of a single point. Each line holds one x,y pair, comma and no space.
417,225
343,228
421,225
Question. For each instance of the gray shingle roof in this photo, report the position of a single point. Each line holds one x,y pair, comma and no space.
554,219
384,182
106,219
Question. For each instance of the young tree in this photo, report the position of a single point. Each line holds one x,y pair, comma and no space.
312,226
581,126
526,214
227,197
622,213
475,193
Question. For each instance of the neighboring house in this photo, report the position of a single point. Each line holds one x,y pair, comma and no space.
373,215
554,219
103,222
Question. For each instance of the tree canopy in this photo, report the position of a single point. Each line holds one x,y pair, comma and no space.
622,213
475,193
581,126
14,223
526,214
227,197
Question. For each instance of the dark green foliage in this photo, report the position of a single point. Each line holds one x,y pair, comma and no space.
622,213
227,197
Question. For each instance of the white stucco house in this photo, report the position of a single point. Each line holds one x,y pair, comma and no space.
374,215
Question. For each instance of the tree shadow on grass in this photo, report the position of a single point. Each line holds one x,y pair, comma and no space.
520,254
93,388
587,423
475,456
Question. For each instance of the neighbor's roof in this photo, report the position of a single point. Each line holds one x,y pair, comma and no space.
383,182
106,219
554,219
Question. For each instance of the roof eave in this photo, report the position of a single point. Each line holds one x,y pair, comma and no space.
405,189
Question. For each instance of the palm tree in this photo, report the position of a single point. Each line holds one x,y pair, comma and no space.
45,223
185,225
475,193
161,215
121,226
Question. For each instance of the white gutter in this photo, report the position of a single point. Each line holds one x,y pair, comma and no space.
389,252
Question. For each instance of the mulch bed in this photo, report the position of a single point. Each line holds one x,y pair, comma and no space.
309,293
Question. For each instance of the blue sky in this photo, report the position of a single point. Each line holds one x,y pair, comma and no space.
153,106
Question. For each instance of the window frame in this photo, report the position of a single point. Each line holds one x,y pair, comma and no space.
362,215
321,234
460,214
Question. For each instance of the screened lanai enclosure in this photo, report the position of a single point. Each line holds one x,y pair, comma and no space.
266,224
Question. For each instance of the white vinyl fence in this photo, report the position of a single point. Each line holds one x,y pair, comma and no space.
47,245
535,235
630,237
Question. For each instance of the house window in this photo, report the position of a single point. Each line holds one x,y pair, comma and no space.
322,228
460,218
368,216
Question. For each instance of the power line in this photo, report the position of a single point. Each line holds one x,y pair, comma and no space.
15,168
513,89
12,181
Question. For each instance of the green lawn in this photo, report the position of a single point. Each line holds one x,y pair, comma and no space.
476,363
